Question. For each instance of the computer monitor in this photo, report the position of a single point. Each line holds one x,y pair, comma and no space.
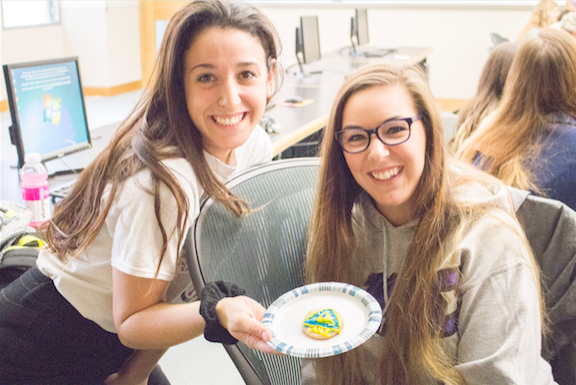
310,38
362,26
47,108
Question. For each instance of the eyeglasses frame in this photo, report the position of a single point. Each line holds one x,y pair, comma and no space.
410,120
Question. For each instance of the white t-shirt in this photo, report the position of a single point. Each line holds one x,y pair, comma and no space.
130,239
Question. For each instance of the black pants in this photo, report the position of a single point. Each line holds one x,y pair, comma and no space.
44,340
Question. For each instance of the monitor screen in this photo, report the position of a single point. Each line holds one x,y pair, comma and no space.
47,108
362,26
310,38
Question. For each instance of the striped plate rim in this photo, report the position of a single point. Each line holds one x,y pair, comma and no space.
374,319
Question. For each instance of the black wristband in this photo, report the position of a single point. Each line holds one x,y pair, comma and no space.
211,294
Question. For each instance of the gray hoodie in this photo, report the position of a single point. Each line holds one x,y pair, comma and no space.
493,331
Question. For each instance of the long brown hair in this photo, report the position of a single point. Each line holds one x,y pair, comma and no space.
158,128
540,17
490,90
409,349
542,83
416,310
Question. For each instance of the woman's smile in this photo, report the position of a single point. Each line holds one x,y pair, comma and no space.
229,120
386,174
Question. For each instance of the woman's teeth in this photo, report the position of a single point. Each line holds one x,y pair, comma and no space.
386,174
229,121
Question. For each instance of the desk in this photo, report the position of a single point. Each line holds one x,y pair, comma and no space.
296,123
344,63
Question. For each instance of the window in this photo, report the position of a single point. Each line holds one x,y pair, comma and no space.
17,13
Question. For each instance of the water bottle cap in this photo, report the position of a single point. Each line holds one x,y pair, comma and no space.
32,157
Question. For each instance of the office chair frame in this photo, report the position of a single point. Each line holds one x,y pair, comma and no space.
248,372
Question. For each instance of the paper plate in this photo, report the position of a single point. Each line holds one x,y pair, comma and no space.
361,317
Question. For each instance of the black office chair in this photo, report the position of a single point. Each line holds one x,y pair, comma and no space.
262,252
497,39
550,227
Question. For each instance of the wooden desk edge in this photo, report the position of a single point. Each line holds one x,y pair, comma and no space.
299,134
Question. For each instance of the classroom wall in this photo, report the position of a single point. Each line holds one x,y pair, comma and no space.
105,35
85,36
29,44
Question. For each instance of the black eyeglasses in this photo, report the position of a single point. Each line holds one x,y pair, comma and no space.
391,133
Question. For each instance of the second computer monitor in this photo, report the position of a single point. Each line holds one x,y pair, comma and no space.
310,38
362,26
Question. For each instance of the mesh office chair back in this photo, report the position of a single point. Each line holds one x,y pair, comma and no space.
550,227
263,252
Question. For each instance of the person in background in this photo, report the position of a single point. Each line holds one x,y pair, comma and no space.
569,7
568,23
530,143
544,15
490,89
94,308
434,240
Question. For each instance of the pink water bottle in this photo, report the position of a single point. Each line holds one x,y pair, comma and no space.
35,190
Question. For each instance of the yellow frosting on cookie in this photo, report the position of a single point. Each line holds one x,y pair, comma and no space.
324,322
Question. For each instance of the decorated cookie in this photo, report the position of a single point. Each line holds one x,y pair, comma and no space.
322,324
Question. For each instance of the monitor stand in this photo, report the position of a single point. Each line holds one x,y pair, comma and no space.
19,161
303,73
72,171
68,171
15,139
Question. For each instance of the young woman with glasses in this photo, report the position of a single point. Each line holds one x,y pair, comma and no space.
95,308
433,240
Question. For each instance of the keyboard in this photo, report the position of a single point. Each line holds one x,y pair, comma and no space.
62,190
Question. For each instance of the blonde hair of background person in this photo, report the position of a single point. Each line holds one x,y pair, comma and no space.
568,23
545,14
490,89
412,347
542,82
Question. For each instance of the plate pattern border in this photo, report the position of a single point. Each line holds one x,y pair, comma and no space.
374,319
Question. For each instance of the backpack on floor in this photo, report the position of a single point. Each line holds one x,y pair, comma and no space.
19,245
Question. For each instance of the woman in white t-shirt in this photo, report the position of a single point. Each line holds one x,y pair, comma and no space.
94,308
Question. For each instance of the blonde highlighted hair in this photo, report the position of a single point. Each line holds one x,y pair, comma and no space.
540,17
541,83
489,94
412,354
